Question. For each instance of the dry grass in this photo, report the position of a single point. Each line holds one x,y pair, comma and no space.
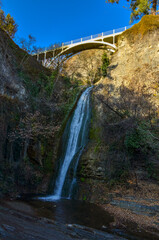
148,23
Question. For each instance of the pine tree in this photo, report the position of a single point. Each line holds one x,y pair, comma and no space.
140,7
105,64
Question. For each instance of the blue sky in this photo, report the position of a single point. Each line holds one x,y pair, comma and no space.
51,21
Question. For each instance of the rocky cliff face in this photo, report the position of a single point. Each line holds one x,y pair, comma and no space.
123,147
10,84
85,67
33,108
13,62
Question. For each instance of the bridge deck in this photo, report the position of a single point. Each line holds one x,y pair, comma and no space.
75,46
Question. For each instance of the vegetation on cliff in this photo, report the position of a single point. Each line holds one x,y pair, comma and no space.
88,66
146,25
34,103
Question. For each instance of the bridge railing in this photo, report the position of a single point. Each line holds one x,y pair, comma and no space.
76,41
108,33
86,38
66,43
120,29
103,34
111,32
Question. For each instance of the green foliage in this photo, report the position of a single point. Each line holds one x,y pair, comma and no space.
105,64
47,156
150,170
94,133
43,87
82,171
26,160
67,81
120,176
82,179
47,83
140,139
48,164
8,24
140,8
70,95
84,198
97,147
113,182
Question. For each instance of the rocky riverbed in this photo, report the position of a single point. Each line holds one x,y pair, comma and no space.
20,220
68,219
136,214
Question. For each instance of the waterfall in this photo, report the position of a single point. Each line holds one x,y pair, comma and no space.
74,140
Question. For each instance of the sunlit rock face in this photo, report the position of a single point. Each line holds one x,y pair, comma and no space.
85,66
131,88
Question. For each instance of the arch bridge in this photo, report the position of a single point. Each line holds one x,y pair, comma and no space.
106,40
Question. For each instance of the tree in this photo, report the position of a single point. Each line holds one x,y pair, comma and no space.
85,66
140,7
7,23
105,64
10,26
27,44
2,19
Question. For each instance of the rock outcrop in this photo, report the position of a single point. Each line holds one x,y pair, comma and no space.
123,102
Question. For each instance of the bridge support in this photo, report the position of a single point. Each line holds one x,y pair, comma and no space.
38,57
113,36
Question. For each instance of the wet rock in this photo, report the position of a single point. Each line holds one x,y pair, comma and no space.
104,227
73,234
46,220
137,207
69,225
3,233
8,228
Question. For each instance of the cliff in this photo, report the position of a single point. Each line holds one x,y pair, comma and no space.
122,155
13,62
34,106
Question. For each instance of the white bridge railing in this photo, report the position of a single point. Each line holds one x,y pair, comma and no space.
89,38
103,34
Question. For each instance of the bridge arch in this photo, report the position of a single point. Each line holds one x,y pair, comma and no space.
105,40
75,48
79,47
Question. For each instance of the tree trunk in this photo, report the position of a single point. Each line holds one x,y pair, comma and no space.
154,7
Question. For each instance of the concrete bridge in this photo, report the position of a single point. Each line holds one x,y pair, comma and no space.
106,40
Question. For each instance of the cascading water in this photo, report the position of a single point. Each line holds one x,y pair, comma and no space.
75,138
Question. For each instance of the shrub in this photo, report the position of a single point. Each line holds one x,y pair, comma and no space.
105,64
140,139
